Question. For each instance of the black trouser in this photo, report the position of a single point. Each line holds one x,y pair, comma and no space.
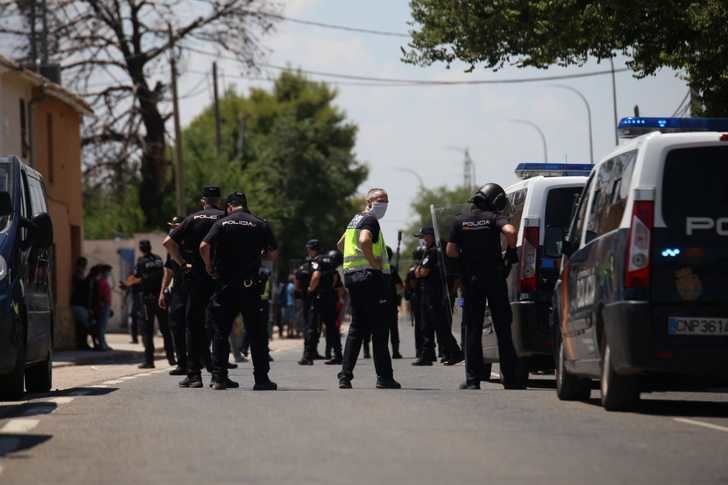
368,300
230,299
200,290
417,323
311,327
137,313
476,289
435,321
324,310
177,302
392,316
152,311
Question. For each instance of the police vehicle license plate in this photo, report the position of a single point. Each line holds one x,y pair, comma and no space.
697,326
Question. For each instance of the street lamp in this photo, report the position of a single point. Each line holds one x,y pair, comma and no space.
588,115
412,172
540,132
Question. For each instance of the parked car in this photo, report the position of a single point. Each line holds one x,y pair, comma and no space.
540,208
641,303
26,303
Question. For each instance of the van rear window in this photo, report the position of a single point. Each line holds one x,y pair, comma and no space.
695,191
559,209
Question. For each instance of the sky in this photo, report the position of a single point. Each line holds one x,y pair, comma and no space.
416,127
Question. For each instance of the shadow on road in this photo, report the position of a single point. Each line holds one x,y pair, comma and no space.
14,443
27,409
40,404
677,408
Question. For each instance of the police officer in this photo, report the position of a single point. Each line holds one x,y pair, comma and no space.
393,302
173,298
435,314
323,308
413,294
366,273
148,274
239,241
183,246
311,325
475,239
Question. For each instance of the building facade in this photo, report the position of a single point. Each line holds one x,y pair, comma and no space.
40,122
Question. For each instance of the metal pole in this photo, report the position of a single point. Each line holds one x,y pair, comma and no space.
44,43
178,185
614,102
412,172
588,114
218,134
33,36
540,132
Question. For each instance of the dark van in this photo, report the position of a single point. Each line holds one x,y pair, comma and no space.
642,301
26,303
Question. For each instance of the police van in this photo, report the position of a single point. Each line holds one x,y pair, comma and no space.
642,300
540,208
26,302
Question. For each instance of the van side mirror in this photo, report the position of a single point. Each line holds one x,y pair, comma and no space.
41,232
6,204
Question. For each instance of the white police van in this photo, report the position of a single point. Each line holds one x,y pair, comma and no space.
540,207
642,300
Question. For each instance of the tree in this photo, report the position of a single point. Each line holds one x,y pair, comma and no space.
438,197
296,163
685,35
114,53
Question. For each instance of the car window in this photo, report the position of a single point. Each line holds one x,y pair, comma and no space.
37,196
515,207
577,226
560,204
611,191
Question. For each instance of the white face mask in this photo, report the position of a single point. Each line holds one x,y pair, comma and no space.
379,209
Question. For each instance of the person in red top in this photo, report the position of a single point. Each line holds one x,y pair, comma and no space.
103,304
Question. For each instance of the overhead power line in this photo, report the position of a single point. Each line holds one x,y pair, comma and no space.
333,26
412,82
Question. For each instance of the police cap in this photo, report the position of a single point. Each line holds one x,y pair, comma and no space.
211,192
490,197
237,199
313,244
425,231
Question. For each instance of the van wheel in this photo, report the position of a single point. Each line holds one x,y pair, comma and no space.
39,377
619,393
12,384
487,369
570,387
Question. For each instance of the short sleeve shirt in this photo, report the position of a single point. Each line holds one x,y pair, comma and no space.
369,222
238,242
477,234
433,282
326,267
190,233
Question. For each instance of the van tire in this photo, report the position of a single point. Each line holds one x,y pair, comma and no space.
619,393
39,377
570,387
12,385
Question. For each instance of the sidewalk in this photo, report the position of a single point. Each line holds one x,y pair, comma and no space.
127,353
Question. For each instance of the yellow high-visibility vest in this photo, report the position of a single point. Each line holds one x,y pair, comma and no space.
354,259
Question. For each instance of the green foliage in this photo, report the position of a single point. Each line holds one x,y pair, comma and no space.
296,163
686,35
107,214
439,197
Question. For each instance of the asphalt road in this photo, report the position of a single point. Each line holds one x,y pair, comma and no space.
141,428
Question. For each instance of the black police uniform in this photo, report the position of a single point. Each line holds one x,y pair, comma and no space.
238,241
368,290
323,309
477,235
199,286
303,277
413,295
176,307
150,268
435,315
392,312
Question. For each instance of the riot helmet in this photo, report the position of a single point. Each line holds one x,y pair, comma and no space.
336,257
490,197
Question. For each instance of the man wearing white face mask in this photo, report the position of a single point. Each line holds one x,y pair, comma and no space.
366,274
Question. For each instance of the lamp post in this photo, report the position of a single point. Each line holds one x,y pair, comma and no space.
588,115
420,181
541,134
468,166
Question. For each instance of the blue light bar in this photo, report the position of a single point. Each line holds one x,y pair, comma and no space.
529,169
632,127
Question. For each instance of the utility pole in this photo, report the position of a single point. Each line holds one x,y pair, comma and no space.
218,134
44,41
178,185
33,36
614,102
468,170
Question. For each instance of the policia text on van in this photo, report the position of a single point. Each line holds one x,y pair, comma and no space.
26,304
